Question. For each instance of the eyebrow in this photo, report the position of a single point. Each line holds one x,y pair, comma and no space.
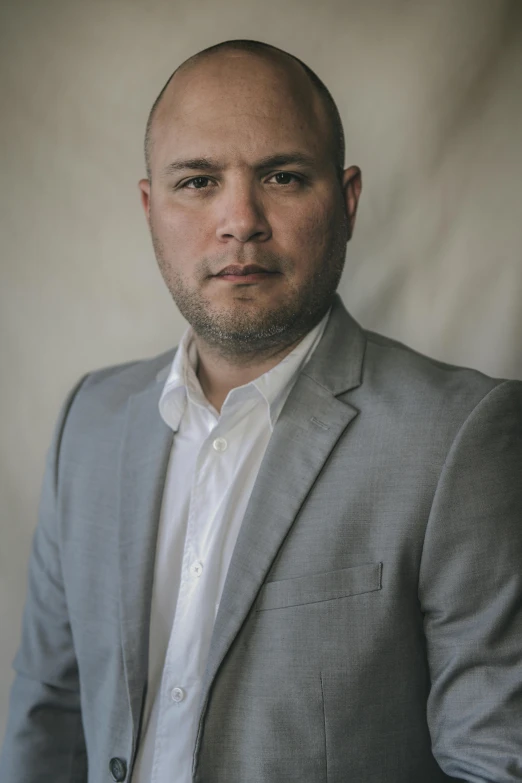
269,161
192,164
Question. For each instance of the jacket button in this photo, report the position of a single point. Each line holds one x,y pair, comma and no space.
118,769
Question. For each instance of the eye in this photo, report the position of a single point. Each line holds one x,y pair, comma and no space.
197,183
284,178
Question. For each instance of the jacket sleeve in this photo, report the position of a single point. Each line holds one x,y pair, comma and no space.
470,589
44,738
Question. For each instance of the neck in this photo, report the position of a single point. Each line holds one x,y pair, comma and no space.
220,374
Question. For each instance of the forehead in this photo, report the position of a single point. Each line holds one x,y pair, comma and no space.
240,103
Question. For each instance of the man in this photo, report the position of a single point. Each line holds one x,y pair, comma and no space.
307,564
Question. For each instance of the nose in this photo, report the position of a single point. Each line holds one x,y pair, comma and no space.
242,217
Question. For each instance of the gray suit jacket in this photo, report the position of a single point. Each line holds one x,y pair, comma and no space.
370,627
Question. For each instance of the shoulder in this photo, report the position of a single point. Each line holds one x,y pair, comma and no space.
415,389
100,398
118,382
390,362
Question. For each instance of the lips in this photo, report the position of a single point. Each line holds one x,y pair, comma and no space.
239,271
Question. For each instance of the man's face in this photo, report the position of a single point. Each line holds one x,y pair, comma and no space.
243,181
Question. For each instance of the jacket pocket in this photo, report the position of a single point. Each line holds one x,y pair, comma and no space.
315,588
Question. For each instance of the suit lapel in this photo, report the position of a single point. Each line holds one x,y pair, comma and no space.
143,464
308,428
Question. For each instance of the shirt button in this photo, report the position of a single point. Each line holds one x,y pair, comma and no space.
177,694
118,769
220,444
196,569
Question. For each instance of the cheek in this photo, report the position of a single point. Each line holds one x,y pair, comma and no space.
305,232
316,227
175,225
170,224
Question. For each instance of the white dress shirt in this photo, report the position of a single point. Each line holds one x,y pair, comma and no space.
213,465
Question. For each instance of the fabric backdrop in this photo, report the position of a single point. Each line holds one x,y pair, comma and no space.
431,97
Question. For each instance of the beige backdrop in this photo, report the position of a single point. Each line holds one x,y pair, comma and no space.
431,96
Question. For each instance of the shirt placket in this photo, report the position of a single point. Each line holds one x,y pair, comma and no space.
195,613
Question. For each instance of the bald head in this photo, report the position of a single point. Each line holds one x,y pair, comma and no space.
289,72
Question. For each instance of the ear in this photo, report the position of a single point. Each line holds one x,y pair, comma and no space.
144,186
352,186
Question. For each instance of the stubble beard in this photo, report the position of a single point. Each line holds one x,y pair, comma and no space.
240,332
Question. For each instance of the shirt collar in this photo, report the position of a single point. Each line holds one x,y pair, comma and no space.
274,386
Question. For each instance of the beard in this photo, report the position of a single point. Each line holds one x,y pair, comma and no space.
237,331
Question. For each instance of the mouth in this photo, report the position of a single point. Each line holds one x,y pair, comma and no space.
250,273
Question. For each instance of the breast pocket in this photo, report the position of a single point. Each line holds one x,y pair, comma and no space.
315,588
